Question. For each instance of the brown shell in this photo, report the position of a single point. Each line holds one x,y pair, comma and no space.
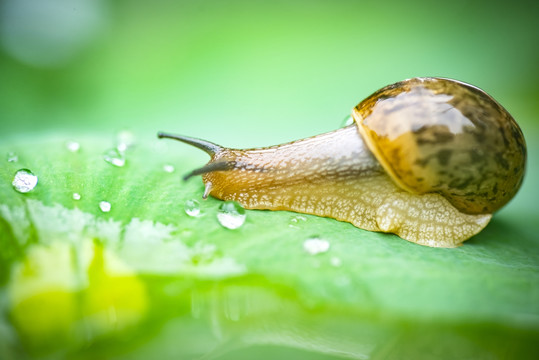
448,137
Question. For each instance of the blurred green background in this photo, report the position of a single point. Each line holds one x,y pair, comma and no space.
253,73
248,72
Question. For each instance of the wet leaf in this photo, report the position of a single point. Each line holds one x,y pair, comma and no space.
81,281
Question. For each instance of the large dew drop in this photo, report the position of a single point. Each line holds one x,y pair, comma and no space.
192,208
231,215
315,245
24,181
114,157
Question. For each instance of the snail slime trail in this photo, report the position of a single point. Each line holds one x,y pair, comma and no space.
428,159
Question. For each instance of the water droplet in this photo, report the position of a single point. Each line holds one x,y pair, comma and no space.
76,196
315,245
296,221
192,208
348,120
114,157
104,206
12,157
231,215
24,181
168,168
335,261
125,139
73,146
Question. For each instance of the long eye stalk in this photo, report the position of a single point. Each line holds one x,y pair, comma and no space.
208,147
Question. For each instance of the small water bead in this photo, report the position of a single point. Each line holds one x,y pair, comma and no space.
192,208
24,181
231,215
296,221
315,245
73,146
298,218
125,139
104,206
114,157
12,157
335,261
168,168
76,196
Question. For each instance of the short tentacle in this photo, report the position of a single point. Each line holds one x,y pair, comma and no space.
210,167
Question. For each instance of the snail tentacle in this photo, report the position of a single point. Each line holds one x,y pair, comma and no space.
208,147
211,167
207,189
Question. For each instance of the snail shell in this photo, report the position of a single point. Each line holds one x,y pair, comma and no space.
429,159
447,137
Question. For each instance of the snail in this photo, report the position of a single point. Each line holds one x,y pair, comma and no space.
428,159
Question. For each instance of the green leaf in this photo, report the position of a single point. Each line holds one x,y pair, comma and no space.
145,279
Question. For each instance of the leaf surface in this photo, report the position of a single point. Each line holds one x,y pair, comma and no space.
76,279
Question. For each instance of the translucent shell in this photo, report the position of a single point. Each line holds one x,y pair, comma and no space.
435,135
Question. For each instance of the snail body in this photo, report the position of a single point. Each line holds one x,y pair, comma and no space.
428,159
